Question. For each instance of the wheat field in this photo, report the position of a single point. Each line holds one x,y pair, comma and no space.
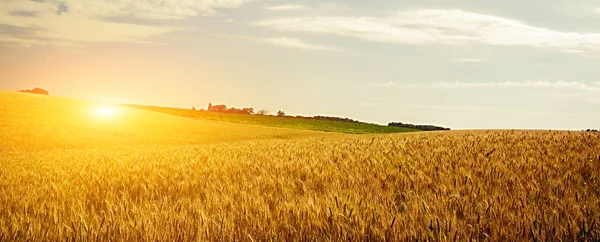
154,177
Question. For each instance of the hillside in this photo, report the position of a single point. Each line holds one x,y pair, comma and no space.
281,122
34,122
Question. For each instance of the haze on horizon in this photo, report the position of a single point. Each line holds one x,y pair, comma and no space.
459,64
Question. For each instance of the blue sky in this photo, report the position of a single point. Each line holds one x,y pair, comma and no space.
463,64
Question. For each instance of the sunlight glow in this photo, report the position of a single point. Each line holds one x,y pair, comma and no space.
106,111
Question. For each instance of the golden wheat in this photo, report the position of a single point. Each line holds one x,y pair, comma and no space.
500,185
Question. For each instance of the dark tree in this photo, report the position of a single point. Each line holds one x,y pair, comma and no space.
223,109
280,113
247,110
219,108
262,112
419,127
233,110
36,90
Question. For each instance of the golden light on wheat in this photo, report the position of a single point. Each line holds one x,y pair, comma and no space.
474,186
106,111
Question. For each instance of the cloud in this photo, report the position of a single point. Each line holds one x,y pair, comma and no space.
286,7
470,60
591,86
545,84
296,43
388,84
148,9
435,26
24,42
90,21
370,104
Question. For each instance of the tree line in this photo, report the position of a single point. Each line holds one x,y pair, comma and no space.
36,90
222,108
419,127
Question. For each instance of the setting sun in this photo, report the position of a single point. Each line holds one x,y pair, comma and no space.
106,111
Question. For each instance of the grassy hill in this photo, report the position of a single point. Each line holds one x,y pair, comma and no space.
35,122
282,122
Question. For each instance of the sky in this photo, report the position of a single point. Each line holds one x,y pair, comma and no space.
462,64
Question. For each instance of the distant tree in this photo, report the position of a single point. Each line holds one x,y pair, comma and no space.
233,110
280,113
219,108
262,112
419,127
36,90
193,108
223,109
247,110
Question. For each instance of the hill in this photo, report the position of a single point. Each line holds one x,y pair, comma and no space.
282,122
35,122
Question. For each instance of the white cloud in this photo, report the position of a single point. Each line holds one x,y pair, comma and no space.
585,86
432,26
25,42
148,9
388,84
371,104
470,60
286,7
87,21
296,43
592,86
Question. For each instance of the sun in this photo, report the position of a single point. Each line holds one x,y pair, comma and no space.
106,111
